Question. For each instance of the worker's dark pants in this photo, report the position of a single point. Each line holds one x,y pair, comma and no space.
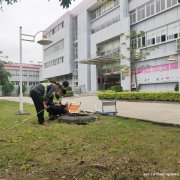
56,110
38,102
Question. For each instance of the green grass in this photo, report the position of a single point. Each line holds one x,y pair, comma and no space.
111,148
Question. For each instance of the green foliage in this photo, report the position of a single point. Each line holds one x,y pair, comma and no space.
23,89
142,96
63,3
176,87
69,88
7,88
116,88
3,74
69,94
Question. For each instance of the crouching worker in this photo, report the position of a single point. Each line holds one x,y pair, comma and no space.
57,110
41,94
55,100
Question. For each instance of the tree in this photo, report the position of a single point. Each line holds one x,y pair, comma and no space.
63,3
135,52
7,88
4,75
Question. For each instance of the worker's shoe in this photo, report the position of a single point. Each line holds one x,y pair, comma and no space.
52,117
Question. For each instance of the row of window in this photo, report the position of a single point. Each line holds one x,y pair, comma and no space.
163,34
103,9
24,83
59,46
56,29
106,24
150,8
26,73
108,47
75,28
54,62
159,35
75,51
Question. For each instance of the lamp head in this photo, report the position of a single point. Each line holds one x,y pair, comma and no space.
44,41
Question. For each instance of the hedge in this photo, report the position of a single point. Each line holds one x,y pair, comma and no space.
68,94
142,96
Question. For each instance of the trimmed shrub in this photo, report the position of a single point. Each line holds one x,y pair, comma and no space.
143,96
68,94
116,88
68,88
176,87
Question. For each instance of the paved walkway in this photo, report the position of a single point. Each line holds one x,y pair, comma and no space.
166,113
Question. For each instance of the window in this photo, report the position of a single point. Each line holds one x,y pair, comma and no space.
171,3
104,25
158,6
151,38
158,36
59,46
24,82
75,51
75,28
173,31
143,41
134,43
103,9
133,17
141,12
163,35
163,4
150,8
24,73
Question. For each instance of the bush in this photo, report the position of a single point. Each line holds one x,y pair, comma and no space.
143,96
68,88
116,88
7,88
176,87
69,94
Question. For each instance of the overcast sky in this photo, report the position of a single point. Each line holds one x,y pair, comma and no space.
33,16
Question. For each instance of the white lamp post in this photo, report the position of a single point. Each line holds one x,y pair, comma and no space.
43,41
172,58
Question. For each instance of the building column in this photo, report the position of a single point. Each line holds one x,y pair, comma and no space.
124,44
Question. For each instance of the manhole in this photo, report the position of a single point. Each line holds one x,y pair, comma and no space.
78,118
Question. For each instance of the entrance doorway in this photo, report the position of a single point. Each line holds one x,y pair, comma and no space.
106,81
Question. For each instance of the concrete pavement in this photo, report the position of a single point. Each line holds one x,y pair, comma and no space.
163,113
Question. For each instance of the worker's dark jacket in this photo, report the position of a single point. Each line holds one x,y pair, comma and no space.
45,89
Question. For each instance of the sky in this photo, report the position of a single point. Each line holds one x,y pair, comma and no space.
33,16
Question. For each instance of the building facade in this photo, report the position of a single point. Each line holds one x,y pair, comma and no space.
30,75
87,40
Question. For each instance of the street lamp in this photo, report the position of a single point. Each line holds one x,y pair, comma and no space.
22,37
172,58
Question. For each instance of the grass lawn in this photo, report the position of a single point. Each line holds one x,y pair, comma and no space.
110,148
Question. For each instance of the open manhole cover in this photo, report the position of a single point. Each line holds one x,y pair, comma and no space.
77,118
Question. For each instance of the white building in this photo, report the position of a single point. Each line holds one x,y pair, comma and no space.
30,75
86,39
